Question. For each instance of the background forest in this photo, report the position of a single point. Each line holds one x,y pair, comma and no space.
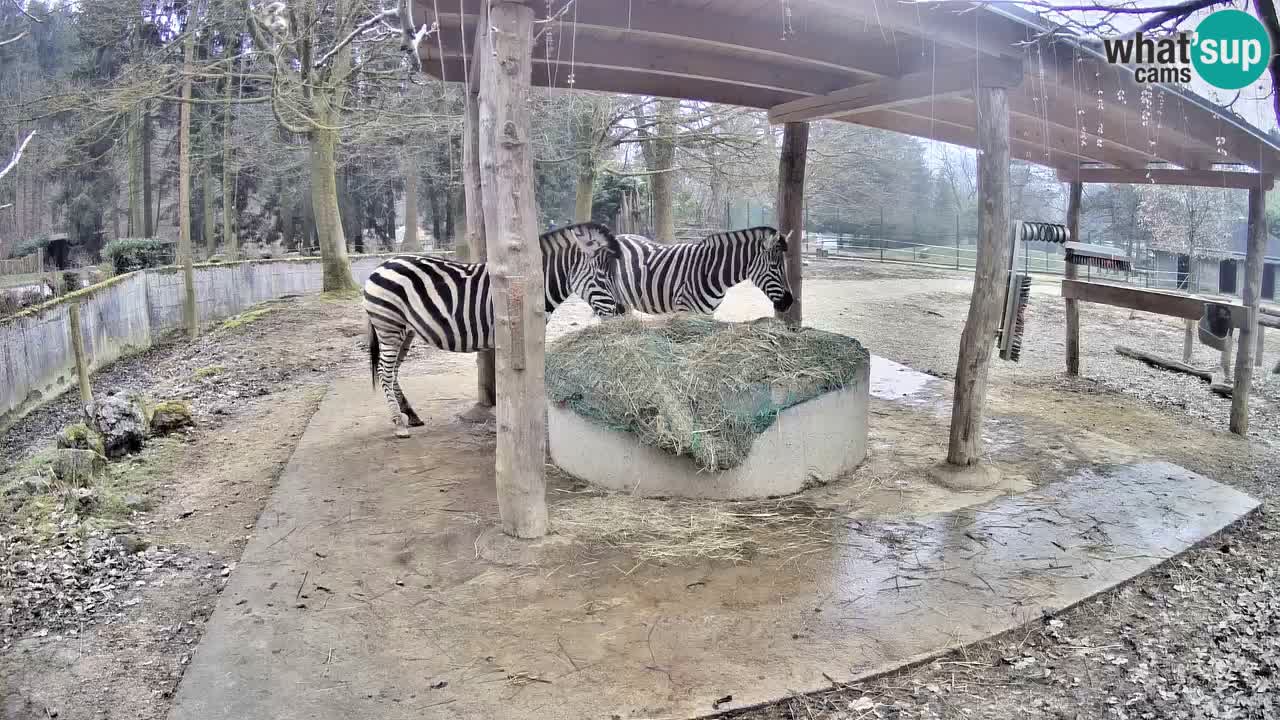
309,127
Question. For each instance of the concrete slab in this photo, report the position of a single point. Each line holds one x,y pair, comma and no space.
363,593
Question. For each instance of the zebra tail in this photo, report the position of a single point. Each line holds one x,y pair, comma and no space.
373,354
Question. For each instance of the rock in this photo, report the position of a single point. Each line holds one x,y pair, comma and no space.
170,415
221,409
135,503
79,436
19,490
84,501
77,468
121,422
131,544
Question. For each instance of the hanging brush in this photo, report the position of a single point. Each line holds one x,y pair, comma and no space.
1013,322
1098,256
1215,326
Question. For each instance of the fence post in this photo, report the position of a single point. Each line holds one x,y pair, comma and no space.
77,347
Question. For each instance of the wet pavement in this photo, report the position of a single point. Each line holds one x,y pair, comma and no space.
375,587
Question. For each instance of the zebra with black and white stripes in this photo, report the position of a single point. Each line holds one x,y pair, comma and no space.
693,277
449,305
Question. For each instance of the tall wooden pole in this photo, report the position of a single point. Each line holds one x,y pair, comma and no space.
474,201
1251,296
189,318
82,361
993,256
1073,308
791,165
515,267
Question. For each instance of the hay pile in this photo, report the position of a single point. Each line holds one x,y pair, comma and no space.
693,386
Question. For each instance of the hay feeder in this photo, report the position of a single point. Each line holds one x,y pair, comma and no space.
695,408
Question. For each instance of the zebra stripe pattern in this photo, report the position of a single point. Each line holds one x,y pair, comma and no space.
448,303
694,277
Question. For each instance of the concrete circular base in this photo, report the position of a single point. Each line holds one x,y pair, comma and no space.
962,478
808,444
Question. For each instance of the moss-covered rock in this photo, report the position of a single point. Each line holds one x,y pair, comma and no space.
170,415
79,436
77,468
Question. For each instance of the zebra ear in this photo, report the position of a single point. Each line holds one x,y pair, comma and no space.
778,240
594,238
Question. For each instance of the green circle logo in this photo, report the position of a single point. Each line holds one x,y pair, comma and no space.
1231,49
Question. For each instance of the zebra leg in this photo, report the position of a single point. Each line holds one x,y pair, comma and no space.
389,356
405,407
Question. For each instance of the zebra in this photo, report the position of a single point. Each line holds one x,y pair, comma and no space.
694,277
448,303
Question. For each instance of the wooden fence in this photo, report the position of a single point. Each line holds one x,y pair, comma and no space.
33,263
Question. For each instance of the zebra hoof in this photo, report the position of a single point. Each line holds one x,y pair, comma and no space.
402,432
415,421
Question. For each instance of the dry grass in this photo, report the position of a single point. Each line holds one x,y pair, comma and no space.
672,530
696,387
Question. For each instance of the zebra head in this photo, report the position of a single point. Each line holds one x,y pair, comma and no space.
768,268
584,256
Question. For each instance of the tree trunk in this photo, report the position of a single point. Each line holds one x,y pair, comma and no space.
993,256
1075,195
411,242
660,154
229,240
184,194
137,222
791,167
1251,296
433,204
448,214
586,187
476,246
324,204
150,215
206,205
515,269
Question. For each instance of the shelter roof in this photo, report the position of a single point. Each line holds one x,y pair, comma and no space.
906,67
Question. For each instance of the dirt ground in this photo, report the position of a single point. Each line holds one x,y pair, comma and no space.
1198,638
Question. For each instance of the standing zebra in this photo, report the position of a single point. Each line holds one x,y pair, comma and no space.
449,305
693,277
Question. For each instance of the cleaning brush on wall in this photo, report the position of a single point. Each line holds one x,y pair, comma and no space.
1013,323
1098,256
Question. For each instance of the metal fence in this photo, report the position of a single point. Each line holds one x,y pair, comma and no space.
961,256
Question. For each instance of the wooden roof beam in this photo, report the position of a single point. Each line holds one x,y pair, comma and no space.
891,92
958,134
960,25
1170,176
710,28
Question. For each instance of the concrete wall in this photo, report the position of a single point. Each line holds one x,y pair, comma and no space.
127,313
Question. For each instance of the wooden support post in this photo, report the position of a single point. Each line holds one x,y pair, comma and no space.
1188,341
791,165
1072,272
1251,296
515,267
477,250
1262,342
1225,361
77,347
993,258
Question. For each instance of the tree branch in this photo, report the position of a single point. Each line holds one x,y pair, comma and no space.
360,29
14,39
17,156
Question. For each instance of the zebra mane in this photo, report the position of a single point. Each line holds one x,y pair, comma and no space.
588,238
748,236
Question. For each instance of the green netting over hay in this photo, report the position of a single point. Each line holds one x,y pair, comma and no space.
693,386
